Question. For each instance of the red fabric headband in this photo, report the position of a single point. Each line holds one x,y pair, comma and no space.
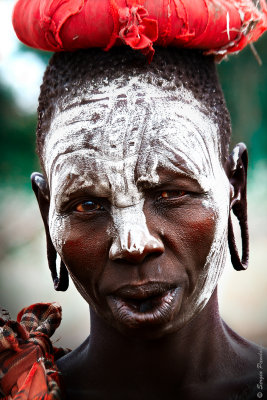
217,26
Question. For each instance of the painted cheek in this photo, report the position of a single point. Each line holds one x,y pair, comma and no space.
85,257
84,254
201,225
190,233
201,231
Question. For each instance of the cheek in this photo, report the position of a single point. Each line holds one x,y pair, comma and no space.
85,251
200,229
190,233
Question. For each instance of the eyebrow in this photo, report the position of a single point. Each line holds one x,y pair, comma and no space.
71,193
166,180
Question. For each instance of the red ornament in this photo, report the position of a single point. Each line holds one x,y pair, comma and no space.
217,26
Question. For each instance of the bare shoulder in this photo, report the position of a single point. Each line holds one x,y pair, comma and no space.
250,365
246,378
71,365
246,351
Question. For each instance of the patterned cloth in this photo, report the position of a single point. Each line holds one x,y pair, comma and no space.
27,357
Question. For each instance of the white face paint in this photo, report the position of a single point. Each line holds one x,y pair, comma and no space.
112,154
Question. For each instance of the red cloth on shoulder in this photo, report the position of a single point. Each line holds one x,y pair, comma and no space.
27,357
219,26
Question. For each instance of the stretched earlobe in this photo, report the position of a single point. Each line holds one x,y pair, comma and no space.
41,190
61,283
236,169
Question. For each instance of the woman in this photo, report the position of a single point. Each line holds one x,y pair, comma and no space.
135,195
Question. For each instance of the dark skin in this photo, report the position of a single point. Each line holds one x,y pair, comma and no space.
201,359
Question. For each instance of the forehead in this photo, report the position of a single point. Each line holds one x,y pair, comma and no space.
138,126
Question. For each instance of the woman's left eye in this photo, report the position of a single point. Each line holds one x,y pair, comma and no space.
171,194
88,206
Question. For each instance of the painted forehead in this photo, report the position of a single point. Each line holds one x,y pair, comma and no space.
138,123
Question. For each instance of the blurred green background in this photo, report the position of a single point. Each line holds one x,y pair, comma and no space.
24,277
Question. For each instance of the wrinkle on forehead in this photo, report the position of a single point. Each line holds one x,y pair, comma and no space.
120,136
122,121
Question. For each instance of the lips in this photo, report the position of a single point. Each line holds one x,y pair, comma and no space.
143,305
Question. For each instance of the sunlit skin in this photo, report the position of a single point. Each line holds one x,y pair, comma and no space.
138,251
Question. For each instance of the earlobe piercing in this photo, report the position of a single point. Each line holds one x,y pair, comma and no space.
238,264
238,205
61,283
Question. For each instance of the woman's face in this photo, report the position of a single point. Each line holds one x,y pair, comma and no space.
139,204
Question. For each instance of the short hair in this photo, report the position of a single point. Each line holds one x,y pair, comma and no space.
170,69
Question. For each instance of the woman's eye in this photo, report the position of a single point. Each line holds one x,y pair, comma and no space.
88,206
171,194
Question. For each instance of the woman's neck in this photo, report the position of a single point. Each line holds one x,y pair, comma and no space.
182,348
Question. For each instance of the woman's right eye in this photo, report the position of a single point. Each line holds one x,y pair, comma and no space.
88,206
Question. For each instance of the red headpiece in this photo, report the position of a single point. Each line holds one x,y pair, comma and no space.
217,26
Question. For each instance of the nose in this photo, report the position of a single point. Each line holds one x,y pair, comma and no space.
133,242
135,245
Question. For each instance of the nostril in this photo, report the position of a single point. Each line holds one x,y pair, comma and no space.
134,257
136,250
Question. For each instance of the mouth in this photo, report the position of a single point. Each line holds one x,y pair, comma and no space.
143,305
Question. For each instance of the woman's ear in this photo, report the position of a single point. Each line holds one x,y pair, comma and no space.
41,190
236,170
